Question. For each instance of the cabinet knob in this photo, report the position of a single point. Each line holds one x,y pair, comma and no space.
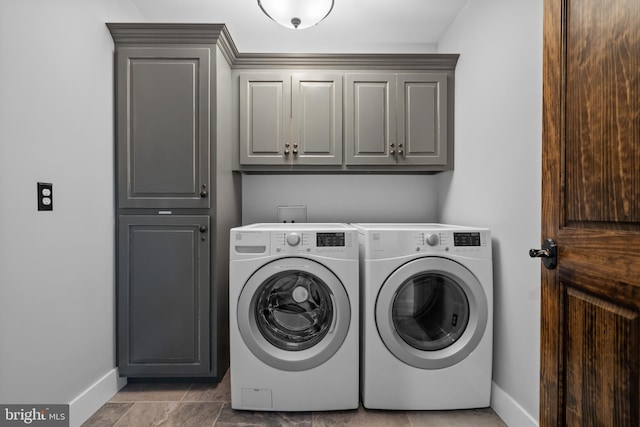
392,152
286,152
203,194
295,152
203,228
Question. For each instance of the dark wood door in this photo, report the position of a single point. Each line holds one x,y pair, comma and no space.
590,336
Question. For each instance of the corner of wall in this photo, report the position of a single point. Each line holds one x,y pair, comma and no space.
97,394
509,410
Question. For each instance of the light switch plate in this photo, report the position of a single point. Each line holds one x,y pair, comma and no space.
292,213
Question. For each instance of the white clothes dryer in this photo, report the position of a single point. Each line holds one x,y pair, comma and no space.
427,321
294,310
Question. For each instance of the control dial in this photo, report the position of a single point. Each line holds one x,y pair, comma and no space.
293,239
432,239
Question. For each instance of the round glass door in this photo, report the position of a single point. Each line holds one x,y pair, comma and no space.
431,313
294,310
293,314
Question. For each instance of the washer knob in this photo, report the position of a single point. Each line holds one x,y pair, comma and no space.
293,239
432,239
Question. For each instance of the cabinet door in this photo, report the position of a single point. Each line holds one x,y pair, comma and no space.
317,119
163,295
265,112
163,127
422,119
370,119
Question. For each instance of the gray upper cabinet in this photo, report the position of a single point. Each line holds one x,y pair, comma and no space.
265,112
163,295
316,119
370,119
163,127
422,115
396,119
290,119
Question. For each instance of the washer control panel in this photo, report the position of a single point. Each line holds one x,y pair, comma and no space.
432,239
293,239
326,240
259,240
311,241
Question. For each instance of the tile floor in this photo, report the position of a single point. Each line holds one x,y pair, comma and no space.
208,405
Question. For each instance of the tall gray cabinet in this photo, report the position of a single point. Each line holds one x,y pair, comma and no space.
177,198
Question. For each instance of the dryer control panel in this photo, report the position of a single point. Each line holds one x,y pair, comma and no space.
387,241
451,241
467,238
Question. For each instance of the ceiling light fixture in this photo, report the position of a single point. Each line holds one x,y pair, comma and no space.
296,14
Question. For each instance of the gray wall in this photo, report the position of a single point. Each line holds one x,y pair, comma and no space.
56,268
496,182
341,198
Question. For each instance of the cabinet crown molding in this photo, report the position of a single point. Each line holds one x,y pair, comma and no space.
147,33
201,33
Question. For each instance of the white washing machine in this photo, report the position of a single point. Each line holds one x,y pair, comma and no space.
294,311
427,320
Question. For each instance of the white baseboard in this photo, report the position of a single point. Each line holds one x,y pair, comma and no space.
89,401
509,410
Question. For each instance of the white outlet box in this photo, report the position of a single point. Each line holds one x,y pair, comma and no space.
292,213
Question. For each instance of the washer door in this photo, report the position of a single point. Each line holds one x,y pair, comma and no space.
293,314
431,313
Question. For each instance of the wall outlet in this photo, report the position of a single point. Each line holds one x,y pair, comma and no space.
292,213
45,196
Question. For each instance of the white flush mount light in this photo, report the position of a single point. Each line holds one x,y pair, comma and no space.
296,14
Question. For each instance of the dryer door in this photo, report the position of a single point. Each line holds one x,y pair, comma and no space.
293,314
431,312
